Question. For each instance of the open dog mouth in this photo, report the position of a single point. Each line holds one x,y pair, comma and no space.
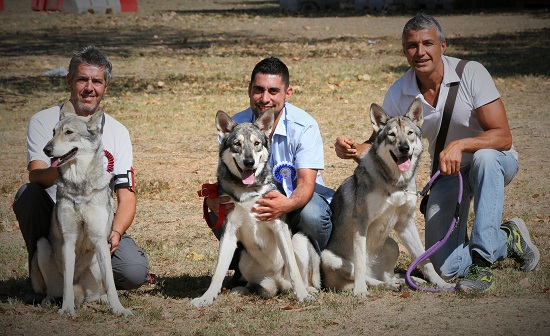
403,162
248,176
58,161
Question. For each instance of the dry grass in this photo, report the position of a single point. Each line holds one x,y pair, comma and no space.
176,64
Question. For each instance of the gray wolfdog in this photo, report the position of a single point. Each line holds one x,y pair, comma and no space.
378,198
272,261
74,262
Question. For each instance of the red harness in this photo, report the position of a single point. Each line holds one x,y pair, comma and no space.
211,191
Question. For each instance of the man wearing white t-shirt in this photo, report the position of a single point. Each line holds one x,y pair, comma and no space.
88,79
478,145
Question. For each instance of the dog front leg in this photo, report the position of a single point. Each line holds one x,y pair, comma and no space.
284,242
360,262
104,259
69,257
228,245
411,239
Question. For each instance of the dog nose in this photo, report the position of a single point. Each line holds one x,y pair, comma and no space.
48,150
249,162
404,147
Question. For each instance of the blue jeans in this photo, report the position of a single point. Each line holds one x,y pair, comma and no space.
484,180
313,220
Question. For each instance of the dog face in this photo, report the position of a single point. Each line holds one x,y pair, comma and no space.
245,147
73,135
399,139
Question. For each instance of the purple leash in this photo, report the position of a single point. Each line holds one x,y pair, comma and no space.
440,243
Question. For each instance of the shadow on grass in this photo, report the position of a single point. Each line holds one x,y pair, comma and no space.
184,286
178,287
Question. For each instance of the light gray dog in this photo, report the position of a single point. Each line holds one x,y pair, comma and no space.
272,261
378,198
74,262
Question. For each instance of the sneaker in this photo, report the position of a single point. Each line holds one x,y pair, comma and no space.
478,278
520,246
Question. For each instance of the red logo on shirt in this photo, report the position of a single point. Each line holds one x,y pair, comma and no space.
110,161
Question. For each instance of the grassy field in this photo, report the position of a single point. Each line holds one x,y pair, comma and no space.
175,64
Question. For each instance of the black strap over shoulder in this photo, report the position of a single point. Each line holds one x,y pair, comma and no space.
447,113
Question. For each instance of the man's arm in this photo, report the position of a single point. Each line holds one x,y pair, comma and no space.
274,204
492,118
125,212
41,173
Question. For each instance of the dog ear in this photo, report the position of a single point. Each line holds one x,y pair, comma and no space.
67,109
94,120
224,123
378,117
415,112
265,122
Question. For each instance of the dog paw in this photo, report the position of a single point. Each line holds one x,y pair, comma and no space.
202,301
240,290
66,311
361,294
123,312
307,299
312,290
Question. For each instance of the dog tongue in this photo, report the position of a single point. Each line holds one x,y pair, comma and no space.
248,177
55,162
403,163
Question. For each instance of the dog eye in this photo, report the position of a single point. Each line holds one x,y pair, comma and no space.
392,134
257,143
237,143
68,132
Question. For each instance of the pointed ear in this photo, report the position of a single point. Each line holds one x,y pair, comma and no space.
415,112
67,109
265,122
224,123
94,121
378,117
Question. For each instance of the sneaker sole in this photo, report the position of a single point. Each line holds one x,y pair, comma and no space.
525,235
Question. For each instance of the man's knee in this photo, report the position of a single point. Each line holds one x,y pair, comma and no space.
130,276
130,265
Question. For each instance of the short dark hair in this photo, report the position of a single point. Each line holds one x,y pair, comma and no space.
422,21
271,66
90,55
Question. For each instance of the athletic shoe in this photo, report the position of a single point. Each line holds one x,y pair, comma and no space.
477,279
520,246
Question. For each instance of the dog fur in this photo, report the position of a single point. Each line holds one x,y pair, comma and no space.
74,262
378,198
272,261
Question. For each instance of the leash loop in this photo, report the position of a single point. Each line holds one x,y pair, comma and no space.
438,244
211,191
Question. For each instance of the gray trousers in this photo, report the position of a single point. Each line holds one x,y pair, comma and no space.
33,208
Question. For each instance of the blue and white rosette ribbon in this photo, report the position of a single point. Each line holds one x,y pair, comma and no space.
285,173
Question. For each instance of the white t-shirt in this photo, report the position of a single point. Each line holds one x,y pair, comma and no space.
476,89
115,138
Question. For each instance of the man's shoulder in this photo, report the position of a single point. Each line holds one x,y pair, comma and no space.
48,114
243,116
116,125
299,115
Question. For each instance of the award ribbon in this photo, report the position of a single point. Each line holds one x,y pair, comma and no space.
285,173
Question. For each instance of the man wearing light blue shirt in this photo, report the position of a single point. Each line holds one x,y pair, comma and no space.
296,140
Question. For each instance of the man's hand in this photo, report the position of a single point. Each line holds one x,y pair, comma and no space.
450,158
214,204
345,148
272,206
114,240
